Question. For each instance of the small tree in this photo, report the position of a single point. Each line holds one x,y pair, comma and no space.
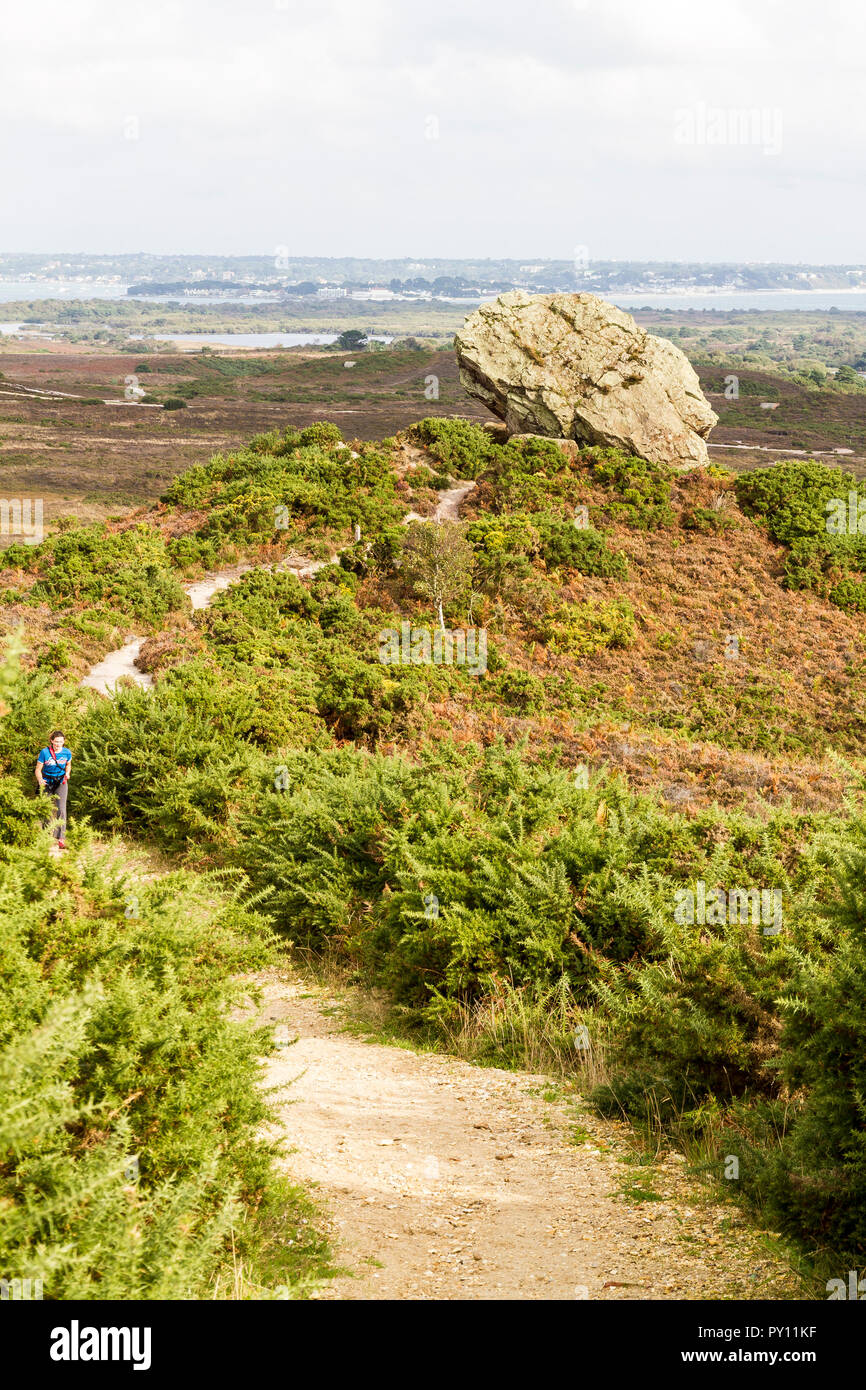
437,563
352,340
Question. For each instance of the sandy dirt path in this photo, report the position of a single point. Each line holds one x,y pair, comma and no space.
444,1180
123,663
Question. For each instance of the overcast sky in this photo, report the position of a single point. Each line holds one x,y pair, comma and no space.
436,127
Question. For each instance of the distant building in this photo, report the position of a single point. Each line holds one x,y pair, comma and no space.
378,293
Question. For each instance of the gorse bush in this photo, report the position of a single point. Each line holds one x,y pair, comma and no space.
506,546
130,1111
640,491
356,844
531,475
700,1018
798,502
833,568
538,475
284,489
127,569
130,1107
18,813
462,448
19,816
706,520
322,655
759,1037
533,876
521,690
817,1181
564,546
791,498
280,665
173,765
323,433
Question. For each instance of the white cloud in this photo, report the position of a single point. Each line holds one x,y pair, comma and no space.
263,123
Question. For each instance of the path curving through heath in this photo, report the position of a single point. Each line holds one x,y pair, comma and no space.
123,663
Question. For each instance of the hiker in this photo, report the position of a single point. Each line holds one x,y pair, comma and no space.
52,774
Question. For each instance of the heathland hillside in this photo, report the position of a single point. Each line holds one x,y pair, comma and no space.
586,755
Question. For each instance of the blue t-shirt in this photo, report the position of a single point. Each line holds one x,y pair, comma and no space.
54,765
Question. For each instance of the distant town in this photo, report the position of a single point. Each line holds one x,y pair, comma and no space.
285,277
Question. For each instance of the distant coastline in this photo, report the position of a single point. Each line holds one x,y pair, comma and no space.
679,297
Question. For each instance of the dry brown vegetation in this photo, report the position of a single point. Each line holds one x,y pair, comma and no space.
95,460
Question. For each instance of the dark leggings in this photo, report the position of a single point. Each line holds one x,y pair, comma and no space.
59,820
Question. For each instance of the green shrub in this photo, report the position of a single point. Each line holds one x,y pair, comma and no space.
502,546
533,876
130,1111
356,843
505,545
93,565
362,700
55,657
131,1115
832,568
640,490
791,498
699,1018
462,448
816,1181
279,491
520,690
275,443
322,434
173,763
19,815
564,546
533,474
849,594
706,520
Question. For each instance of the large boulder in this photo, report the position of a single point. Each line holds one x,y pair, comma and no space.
571,366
